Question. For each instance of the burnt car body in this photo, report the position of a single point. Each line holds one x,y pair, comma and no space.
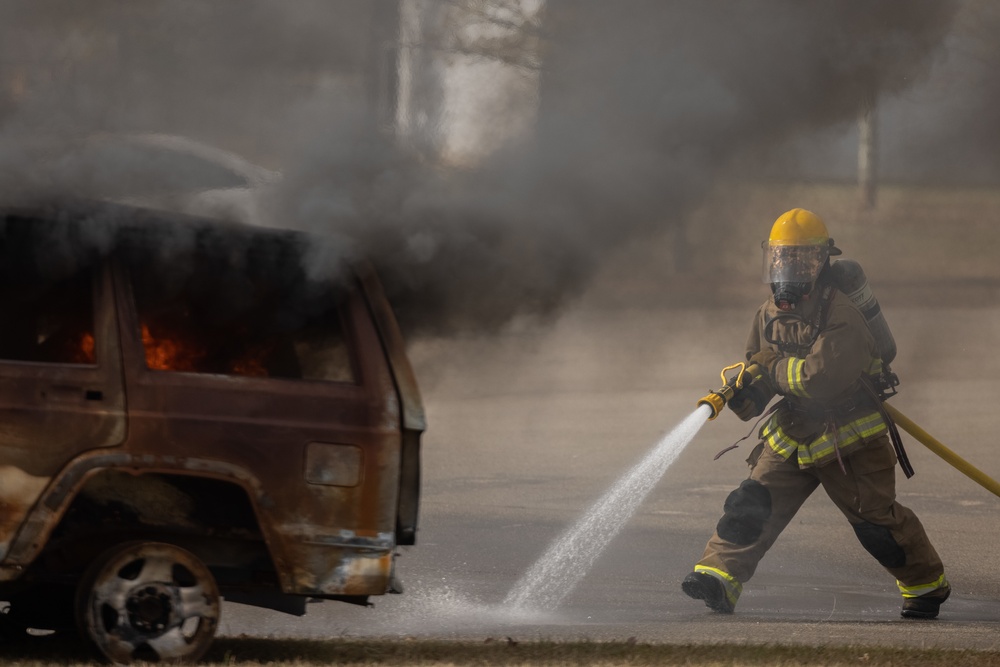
192,410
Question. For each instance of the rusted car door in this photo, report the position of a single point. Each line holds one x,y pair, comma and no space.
60,379
229,376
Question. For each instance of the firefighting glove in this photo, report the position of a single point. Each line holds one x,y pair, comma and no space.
743,405
751,400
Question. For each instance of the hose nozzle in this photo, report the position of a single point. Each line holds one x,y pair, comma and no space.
717,399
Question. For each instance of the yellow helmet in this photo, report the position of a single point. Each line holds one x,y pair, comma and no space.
795,254
799,227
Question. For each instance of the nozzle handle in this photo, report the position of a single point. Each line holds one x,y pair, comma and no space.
737,381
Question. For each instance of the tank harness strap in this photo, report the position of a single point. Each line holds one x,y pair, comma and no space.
831,421
897,442
828,293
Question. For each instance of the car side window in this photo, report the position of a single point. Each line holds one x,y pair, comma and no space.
238,323
48,320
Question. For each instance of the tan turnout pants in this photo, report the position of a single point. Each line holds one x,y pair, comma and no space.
866,495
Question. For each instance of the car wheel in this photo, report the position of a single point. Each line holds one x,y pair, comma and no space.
148,601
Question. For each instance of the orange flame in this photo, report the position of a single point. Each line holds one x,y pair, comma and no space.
251,367
85,351
169,353
165,354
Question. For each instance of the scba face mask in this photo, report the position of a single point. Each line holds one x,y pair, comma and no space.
792,270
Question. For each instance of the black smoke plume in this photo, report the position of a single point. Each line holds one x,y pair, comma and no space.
641,104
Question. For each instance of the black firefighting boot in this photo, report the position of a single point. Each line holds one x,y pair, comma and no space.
925,606
705,587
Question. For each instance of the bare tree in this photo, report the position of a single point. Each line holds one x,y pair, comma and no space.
868,153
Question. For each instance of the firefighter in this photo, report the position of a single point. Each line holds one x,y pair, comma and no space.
809,345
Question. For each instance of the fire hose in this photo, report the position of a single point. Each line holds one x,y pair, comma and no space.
717,400
950,457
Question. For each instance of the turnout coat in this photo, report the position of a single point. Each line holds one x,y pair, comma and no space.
828,358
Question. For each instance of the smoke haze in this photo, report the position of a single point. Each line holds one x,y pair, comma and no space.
641,104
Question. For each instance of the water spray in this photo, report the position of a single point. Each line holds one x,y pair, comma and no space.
568,559
571,555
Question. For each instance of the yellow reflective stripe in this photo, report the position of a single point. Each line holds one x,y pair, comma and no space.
732,587
922,589
778,440
860,429
876,366
863,428
794,377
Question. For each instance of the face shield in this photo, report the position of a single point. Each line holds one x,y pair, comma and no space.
791,271
793,263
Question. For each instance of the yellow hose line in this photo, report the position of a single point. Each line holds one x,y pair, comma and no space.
953,459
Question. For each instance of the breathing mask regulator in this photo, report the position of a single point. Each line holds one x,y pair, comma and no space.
788,295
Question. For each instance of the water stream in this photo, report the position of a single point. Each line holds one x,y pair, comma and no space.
571,556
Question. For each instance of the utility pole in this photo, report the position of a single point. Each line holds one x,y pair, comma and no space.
382,77
867,154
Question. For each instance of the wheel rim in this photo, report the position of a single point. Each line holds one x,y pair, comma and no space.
149,601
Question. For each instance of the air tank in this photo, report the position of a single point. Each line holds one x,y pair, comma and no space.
851,280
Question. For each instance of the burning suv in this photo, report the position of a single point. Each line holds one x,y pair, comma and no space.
189,411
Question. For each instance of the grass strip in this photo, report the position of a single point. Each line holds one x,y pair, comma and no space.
238,651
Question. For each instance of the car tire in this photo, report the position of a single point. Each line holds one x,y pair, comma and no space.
150,602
